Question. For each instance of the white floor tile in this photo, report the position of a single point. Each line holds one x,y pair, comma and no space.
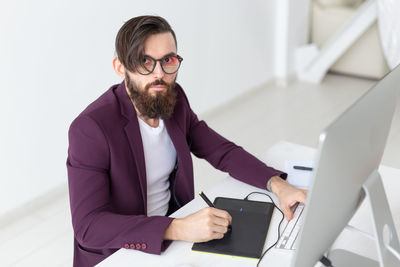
17,228
59,205
40,235
57,252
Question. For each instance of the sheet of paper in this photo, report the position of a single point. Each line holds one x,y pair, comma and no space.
299,178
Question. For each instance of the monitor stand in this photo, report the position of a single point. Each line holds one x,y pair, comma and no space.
384,231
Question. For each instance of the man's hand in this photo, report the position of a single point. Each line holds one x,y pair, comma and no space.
288,195
204,225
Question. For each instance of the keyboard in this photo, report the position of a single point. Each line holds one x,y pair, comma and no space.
291,229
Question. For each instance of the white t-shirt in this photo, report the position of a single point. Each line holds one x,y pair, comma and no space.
160,158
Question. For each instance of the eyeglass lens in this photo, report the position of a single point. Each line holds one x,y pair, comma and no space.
169,64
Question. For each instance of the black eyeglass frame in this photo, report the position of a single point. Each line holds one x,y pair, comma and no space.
180,59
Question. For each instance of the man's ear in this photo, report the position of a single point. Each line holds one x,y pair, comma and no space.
118,68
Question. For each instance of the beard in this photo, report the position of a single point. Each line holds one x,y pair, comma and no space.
161,105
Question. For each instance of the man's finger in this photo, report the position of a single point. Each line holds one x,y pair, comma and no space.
217,235
287,212
223,214
302,196
220,229
221,221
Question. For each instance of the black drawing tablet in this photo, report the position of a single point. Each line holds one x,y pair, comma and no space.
250,223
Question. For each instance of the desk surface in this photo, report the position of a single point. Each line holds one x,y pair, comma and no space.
180,254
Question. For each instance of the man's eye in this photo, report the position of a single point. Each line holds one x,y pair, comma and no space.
167,59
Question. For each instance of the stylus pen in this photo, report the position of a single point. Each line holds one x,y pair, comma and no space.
203,196
209,203
302,168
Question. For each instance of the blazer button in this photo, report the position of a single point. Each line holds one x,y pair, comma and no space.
138,246
144,246
126,245
132,246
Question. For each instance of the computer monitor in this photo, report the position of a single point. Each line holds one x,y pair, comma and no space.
348,157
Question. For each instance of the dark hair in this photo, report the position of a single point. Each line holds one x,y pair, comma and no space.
129,43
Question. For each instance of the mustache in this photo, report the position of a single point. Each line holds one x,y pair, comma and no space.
157,82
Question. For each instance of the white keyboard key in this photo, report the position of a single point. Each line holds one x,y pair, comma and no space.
291,229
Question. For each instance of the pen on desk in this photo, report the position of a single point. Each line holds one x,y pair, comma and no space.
209,203
302,168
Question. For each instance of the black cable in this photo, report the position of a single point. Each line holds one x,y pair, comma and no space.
325,261
279,226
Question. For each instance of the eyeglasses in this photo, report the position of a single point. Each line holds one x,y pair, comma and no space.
169,64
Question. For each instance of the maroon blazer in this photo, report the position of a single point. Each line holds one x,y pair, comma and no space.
107,174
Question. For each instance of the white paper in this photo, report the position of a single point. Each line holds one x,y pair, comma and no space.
299,178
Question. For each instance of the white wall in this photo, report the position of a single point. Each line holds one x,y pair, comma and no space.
56,59
292,31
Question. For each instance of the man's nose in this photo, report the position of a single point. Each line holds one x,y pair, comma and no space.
158,72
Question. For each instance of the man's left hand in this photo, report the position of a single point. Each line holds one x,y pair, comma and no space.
288,195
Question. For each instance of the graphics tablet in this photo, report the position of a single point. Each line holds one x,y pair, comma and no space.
250,223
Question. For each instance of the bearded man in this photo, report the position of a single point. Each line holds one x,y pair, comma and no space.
129,158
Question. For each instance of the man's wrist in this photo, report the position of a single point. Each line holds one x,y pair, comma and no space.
172,231
275,184
269,188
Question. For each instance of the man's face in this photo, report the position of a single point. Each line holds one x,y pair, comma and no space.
154,95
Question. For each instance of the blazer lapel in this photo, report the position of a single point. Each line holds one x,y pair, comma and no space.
132,132
177,137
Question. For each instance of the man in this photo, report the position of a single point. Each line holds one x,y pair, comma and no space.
129,162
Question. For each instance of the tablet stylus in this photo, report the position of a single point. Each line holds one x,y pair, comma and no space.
209,203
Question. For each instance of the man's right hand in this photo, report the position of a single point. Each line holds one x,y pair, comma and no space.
204,225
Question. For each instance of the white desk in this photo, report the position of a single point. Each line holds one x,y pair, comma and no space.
179,252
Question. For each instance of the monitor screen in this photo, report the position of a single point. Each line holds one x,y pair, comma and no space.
350,151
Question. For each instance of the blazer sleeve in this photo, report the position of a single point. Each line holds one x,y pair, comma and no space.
225,155
95,223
